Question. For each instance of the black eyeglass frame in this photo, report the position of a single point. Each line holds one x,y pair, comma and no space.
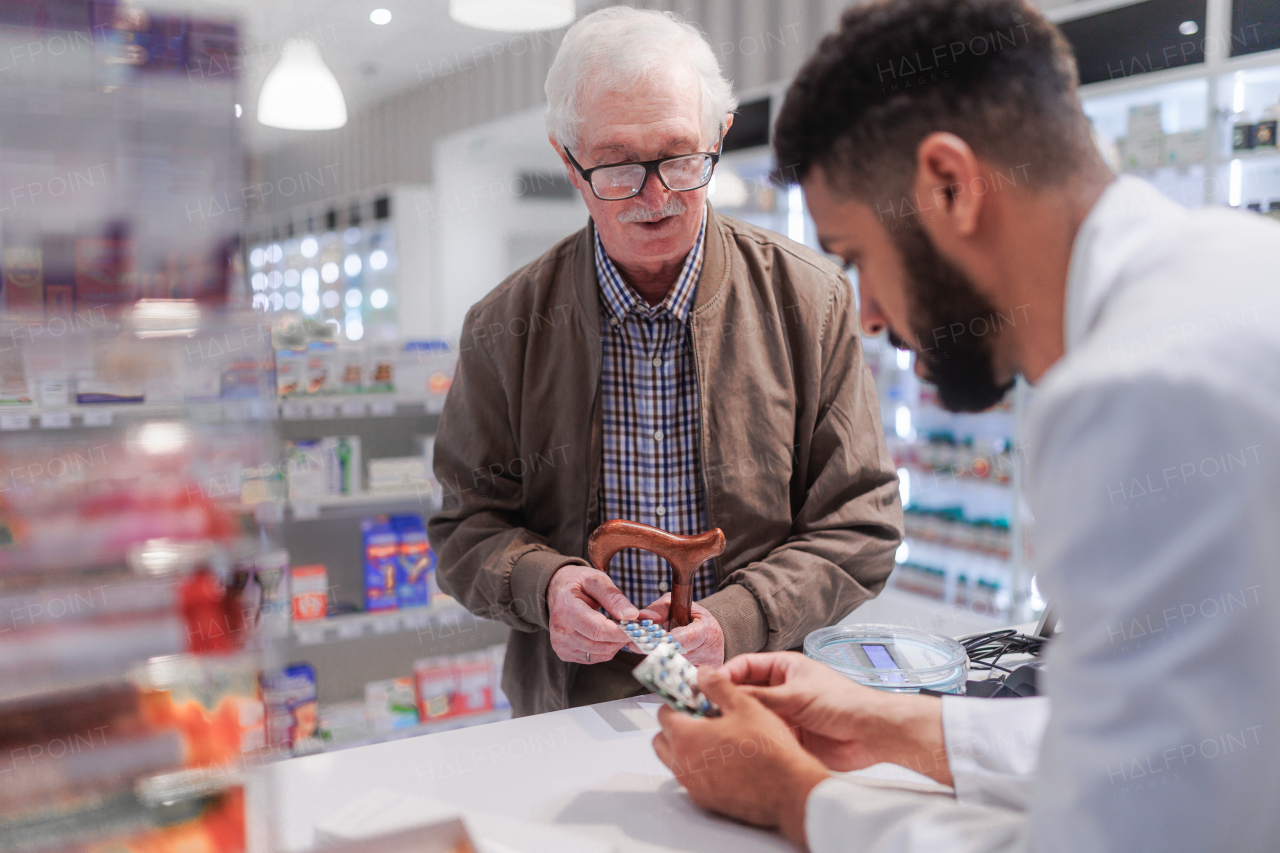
650,168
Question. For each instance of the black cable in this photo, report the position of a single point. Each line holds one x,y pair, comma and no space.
986,650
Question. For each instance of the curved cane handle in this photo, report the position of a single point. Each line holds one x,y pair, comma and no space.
684,553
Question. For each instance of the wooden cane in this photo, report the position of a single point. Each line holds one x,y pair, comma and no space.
684,553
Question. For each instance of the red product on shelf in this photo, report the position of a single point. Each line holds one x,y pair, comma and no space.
310,591
453,686
473,693
215,620
434,682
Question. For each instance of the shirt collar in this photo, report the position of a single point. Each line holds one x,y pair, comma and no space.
1127,214
620,298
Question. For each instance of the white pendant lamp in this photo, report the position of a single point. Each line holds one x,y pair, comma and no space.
300,92
513,16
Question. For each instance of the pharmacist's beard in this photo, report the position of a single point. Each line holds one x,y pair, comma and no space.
943,299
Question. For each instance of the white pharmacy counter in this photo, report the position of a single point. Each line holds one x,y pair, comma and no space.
583,779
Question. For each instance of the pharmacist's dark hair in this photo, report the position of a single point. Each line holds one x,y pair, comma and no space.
993,72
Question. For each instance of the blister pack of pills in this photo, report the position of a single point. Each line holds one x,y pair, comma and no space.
666,672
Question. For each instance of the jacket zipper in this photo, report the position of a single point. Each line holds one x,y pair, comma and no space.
586,521
702,445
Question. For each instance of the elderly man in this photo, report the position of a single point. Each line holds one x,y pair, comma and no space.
672,367
1151,333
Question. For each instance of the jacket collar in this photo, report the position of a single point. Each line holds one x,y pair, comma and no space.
620,299
711,282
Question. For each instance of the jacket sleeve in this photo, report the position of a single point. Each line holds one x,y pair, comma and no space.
849,519
486,559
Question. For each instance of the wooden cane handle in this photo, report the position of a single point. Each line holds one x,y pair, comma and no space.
684,553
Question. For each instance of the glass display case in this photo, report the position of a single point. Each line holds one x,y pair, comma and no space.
1203,132
960,479
343,275
140,591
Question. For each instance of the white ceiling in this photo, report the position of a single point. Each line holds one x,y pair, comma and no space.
371,62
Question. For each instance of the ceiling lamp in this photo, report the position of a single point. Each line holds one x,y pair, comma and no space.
513,16
301,93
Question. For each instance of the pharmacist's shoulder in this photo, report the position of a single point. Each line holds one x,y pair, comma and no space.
539,289
1178,297
1215,247
1210,375
773,261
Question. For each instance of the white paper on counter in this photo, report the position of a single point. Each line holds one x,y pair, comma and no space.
382,810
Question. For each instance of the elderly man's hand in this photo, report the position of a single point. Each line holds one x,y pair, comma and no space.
702,639
744,764
579,633
845,725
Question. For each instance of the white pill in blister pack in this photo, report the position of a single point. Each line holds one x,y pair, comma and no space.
665,670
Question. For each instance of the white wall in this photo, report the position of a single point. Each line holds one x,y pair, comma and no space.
480,227
415,259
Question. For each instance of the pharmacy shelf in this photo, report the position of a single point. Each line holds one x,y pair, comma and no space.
952,474
374,405
26,416
441,615
341,506
16,417
1254,154
428,728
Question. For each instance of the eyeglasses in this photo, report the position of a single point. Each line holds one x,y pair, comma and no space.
620,181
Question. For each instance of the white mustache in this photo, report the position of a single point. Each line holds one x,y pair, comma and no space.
638,213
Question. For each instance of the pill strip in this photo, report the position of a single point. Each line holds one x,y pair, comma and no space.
666,671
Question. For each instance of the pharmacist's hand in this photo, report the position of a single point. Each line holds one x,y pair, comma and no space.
845,725
702,638
578,629
744,763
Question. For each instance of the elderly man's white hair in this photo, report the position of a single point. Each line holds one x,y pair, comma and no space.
614,49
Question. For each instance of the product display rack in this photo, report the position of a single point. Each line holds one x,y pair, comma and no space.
313,632
960,478
355,261
137,589
138,599
352,647
1186,116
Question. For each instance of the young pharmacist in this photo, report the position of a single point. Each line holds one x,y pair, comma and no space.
991,238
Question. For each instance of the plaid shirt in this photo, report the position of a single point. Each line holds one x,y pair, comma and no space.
651,470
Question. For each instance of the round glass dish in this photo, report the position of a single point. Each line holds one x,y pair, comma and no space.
890,657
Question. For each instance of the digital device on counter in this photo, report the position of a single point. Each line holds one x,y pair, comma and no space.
889,657
665,670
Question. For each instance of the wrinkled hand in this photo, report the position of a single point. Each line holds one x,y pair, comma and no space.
744,763
845,725
577,626
702,638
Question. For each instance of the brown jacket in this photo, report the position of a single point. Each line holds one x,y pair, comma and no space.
794,464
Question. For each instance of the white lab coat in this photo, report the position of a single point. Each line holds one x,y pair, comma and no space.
1154,478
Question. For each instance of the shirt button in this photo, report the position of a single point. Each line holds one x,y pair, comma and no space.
657,362
662,587
658,435
661,510
614,321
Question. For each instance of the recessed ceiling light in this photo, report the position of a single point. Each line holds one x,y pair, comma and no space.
239,111
1188,28
381,17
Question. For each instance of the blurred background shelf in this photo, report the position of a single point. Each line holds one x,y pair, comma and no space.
348,626
348,740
